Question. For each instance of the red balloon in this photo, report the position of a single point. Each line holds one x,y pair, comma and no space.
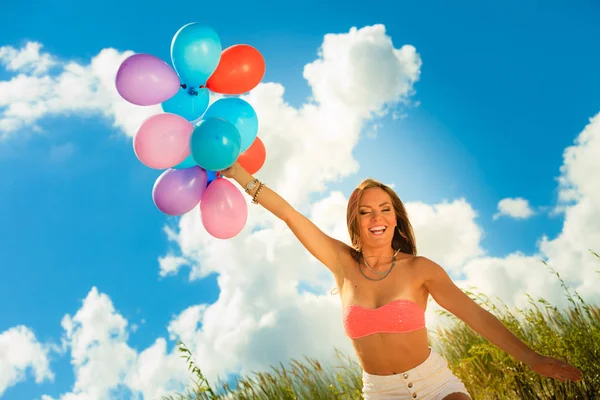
240,69
254,157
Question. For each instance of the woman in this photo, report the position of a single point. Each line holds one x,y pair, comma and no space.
384,288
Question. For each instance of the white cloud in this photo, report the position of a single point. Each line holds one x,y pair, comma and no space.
517,208
68,88
579,192
170,264
29,59
511,277
21,351
157,372
96,336
362,71
447,233
103,361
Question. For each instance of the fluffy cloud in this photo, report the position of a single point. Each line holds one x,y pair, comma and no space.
511,277
363,71
103,362
447,233
29,59
569,253
19,352
517,208
96,336
45,86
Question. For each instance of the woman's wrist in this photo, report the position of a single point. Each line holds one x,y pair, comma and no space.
240,175
531,358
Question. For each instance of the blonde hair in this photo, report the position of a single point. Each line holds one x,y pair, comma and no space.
404,237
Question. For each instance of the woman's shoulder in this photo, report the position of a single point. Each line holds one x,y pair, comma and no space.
426,268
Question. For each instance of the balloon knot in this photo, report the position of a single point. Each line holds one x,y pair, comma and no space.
183,86
193,92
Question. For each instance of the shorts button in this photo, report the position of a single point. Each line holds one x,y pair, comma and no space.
405,376
414,395
410,384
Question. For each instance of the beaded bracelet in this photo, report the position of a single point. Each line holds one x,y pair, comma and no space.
254,201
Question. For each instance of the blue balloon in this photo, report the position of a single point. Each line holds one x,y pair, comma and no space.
195,53
240,113
187,163
215,144
212,175
189,103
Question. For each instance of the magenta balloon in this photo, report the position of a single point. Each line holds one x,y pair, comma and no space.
178,191
223,209
163,140
146,80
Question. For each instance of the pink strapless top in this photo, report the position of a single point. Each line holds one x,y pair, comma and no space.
394,317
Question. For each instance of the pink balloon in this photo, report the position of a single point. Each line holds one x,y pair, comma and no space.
146,80
163,141
223,209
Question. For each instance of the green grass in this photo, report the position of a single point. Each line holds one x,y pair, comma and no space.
488,372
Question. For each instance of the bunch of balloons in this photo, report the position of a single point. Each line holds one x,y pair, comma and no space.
191,140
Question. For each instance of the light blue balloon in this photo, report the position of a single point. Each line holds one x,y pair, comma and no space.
195,53
187,163
240,113
215,144
189,103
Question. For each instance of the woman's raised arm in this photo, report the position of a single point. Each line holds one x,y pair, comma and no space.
323,247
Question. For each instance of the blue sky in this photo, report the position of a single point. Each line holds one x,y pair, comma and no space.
504,88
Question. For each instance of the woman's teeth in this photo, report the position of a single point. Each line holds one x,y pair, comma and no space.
377,230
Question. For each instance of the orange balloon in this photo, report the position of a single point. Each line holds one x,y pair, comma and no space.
254,157
240,69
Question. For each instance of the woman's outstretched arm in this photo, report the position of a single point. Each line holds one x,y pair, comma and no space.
323,247
453,299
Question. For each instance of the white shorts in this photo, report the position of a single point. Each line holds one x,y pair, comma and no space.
432,380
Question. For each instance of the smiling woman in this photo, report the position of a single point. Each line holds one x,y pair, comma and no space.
384,299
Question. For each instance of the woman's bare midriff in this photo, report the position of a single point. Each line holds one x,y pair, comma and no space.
387,353
392,353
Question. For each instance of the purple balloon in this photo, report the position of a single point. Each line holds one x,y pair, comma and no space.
146,80
178,191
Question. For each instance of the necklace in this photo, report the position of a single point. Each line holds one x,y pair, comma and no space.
385,274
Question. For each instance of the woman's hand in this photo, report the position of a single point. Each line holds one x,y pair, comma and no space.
554,368
231,171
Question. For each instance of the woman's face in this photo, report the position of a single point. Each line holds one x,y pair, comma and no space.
377,218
